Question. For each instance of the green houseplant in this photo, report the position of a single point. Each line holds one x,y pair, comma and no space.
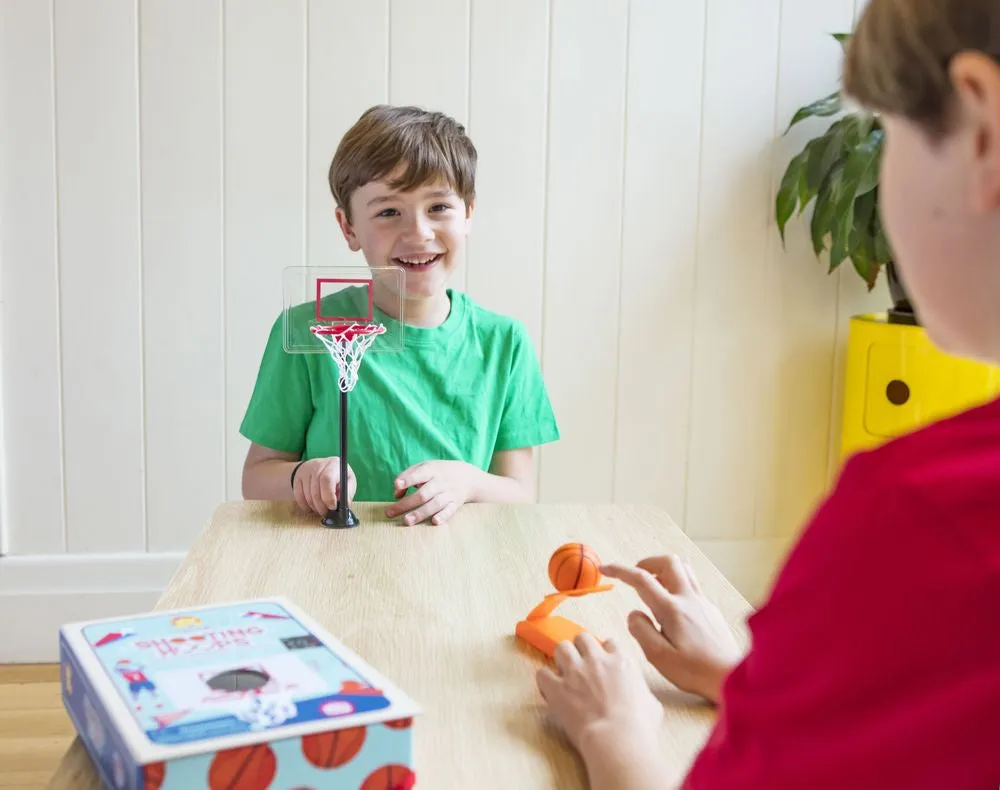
838,171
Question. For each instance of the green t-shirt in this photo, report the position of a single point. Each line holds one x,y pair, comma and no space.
459,391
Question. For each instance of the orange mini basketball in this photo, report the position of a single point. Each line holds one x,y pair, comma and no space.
574,566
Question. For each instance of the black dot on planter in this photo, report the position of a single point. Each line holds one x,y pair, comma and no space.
897,392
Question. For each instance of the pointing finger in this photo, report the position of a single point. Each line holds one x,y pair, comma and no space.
670,571
650,590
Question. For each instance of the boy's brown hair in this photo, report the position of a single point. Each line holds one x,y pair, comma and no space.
428,146
898,57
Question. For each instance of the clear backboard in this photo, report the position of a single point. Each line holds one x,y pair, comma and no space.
320,298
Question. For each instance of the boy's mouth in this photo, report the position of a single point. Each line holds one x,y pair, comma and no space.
416,262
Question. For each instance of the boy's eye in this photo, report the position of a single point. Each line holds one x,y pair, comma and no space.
387,212
440,207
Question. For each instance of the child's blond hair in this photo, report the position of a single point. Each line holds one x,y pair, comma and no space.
427,146
898,57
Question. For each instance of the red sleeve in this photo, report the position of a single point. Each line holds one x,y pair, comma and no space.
871,664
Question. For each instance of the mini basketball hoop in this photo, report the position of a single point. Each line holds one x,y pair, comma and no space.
347,344
346,313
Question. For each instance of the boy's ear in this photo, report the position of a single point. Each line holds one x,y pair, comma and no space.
976,80
468,214
347,230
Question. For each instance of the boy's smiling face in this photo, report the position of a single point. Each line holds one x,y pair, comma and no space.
422,231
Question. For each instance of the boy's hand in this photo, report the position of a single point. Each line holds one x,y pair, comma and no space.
317,484
601,700
442,488
693,648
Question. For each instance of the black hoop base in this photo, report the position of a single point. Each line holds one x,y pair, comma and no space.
340,518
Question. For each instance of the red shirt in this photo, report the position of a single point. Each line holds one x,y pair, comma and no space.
875,663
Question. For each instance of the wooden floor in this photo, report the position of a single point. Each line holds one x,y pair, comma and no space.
34,728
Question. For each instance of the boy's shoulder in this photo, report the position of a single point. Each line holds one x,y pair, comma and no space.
485,315
952,465
488,321
970,436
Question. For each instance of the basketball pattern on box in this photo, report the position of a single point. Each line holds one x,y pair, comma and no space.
251,695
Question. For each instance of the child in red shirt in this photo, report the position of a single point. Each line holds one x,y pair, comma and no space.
875,663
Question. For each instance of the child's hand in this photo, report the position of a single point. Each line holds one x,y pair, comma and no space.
442,488
693,648
600,699
317,485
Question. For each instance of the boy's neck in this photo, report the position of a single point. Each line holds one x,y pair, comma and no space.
426,313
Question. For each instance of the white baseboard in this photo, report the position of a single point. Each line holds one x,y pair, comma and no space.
40,593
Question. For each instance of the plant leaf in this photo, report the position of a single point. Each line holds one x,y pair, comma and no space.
788,194
864,211
859,126
844,195
807,191
841,228
824,152
862,244
863,255
861,169
883,252
822,217
866,221
839,208
843,39
866,267
822,108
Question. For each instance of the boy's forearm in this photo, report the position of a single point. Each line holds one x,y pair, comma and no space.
269,480
498,488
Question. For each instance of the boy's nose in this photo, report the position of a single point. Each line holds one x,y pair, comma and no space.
420,228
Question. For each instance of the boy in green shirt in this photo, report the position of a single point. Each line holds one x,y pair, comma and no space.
456,415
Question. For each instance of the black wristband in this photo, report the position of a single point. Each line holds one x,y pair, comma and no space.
296,469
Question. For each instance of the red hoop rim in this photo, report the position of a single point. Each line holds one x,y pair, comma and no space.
347,330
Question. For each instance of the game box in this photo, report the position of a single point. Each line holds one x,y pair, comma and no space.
247,695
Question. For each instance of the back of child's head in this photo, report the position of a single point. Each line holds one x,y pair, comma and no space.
898,58
413,146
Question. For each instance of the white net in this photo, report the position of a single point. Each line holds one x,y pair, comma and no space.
347,345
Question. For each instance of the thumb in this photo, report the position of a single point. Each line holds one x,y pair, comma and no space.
655,646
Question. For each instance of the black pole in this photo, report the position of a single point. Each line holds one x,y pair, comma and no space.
342,516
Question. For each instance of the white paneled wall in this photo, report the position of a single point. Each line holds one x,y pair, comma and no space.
161,161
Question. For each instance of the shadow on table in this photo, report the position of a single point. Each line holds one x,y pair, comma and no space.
531,725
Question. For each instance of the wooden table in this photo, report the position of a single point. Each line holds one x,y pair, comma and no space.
434,609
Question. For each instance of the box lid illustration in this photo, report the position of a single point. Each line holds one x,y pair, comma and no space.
208,678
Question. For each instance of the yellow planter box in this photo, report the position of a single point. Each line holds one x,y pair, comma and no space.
896,380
